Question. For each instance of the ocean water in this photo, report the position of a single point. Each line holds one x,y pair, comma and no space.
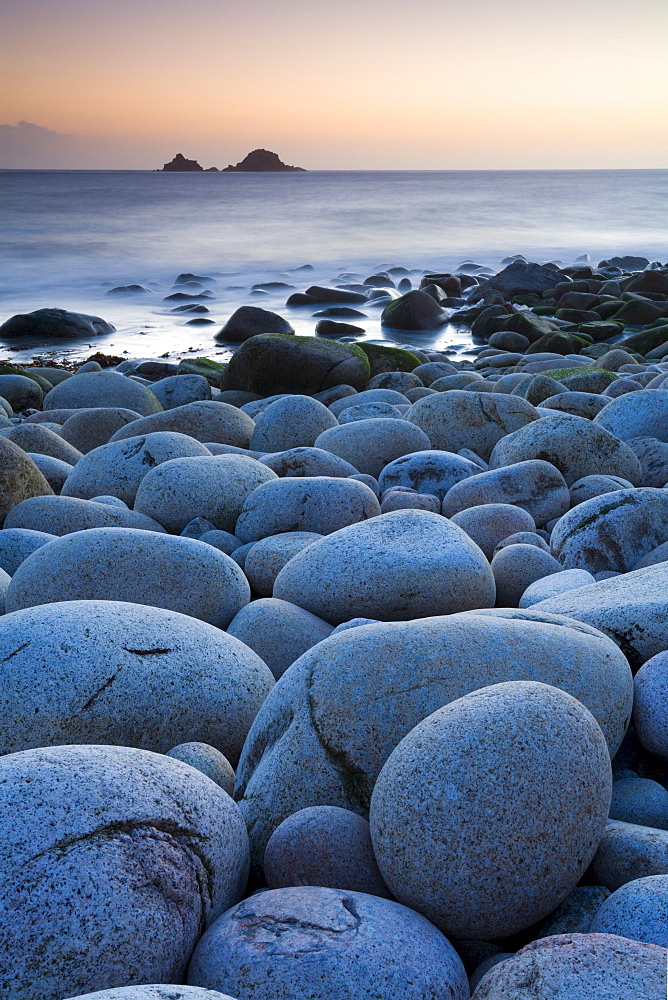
67,237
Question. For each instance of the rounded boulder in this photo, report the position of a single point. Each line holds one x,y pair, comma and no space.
103,388
507,790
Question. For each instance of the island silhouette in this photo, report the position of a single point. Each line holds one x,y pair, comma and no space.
257,161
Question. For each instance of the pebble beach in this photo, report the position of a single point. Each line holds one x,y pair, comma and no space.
335,666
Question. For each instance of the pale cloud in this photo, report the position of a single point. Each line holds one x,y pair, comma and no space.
27,145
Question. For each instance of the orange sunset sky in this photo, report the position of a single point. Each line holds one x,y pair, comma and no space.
369,84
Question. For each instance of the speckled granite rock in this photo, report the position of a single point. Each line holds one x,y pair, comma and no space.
637,910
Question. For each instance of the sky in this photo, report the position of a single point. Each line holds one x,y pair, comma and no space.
347,84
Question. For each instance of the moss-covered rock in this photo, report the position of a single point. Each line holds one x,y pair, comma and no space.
389,359
528,299
13,370
601,329
609,308
272,362
561,374
213,371
640,312
530,325
554,343
547,309
645,340
414,311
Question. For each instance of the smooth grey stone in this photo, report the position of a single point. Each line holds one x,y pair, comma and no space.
61,515
650,707
401,565
105,388
333,719
321,504
88,429
208,760
326,942
653,457
397,381
229,449
488,524
640,801
632,609
113,672
433,472
112,501
239,555
20,479
21,392
516,567
596,486
643,414
390,396
575,446
178,390
297,462
54,471
326,846
637,910
575,914
277,631
400,499
328,396
459,419
579,404
270,554
489,962
38,438
572,966
627,852
613,531
222,540
373,443
16,544
159,992
521,741
86,831
369,481
204,420
197,527
556,583
215,488
52,375
523,538
118,468
259,404
353,623
368,411
291,422
433,370
180,574
535,486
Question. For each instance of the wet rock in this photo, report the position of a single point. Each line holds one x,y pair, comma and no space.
55,323
249,321
20,392
415,310
272,363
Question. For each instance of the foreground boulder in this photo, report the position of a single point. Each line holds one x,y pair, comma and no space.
62,515
155,993
333,719
55,323
522,742
596,966
535,486
326,942
125,674
402,565
134,842
205,420
128,564
273,363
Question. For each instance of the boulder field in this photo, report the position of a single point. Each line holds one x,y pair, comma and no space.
341,671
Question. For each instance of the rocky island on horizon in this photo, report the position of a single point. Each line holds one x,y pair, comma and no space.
257,161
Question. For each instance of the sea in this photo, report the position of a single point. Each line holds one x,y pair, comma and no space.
67,238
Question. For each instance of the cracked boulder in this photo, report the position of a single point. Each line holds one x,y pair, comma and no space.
507,790
117,468
308,942
475,420
112,672
336,715
113,861
129,564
